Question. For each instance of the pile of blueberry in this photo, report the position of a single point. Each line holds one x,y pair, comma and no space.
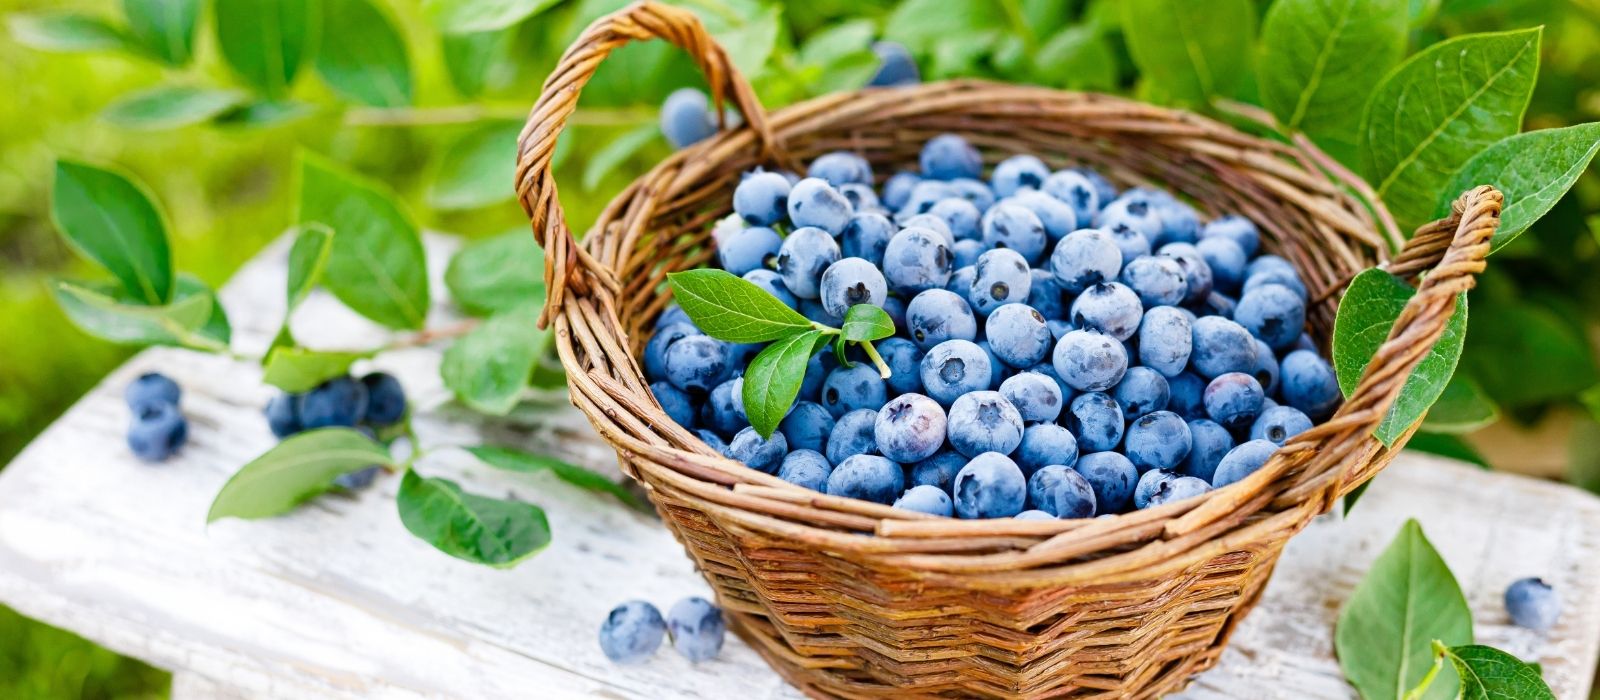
373,402
158,428
633,630
1062,349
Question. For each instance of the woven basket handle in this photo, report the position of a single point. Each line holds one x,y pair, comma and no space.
566,263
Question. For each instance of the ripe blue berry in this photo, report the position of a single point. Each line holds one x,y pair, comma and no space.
1180,223
1142,390
905,361
1278,424
813,311
713,440
386,399
917,259
1157,279
1000,277
897,189
1112,477
990,486
283,415
672,314
1273,313
1221,346
1179,489
1018,335
1234,400
953,368
923,195
1309,384
1134,210
1036,396
1018,172
813,202
358,479
926,499
1165,340
983,421
947,157
1242,461
1033,515
158,431
896,308
151,387
1131,241
854,433
910,428
841,168
1149,482
869,478
807,468
756,452
1085,258
694,363
341,401
1015,227
966,255
1111,308
686,117
1195,270
676,403
1045,295
655,352
772,283
851,281
849,388
1076,190
1533,604
753,248
1186,395
938,470
1056,215
960,216
1044,444
860,197
1160,440
895,66
723,410
1090,361
1210,442
1096,420
1266,371
1058,490
1226,260
697,628
961,281
866,236
761,198
802,258
807,426
1237,229
632,632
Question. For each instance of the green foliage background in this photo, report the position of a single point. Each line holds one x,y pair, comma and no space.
227,190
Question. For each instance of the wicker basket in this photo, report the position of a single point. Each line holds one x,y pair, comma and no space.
854,599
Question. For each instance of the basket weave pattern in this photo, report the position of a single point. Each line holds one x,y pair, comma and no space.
853,599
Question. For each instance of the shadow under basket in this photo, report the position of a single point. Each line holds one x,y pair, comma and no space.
853,599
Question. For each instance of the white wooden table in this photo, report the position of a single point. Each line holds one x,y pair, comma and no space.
336,600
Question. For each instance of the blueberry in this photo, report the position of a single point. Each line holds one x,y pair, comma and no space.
1269,265
1044,295
983,421
926,499
948,156
896,308
1186,395
1018,335
158,430
1209,443
860,197
1157,279
998,371
865,236
905,360
1015,227
1273,313
1111,308
1131,241
849,282
867,477
1266,370
1149,483
283,415
1142,390
955,367
341,401
1036,396
1217,304
917,259
760,454
1102,187
1179,222
694,363
1058,490
386,399
672,314
1195,270
975,191
1111,476
151,387
675,403
686,117
1018,172
753,248
803,257
713,440
655,352
358,479
1095,420
897,189
772,283
697,628
1305,343
1076,190
895,66
961,281
806,468
990,486
1533,604
807,426
1000,277
1165,340
1226,260
1085,258
761,198
854,433
924,194
1160,440
1134,210
910,428
1059,328
1278,424
1234,400
1033,515
1309,384
960,216
1057,216
1179,489
966,255
1221,346
1090,361
814,311
849,388
816,373
1237,229
814,203
938,470
632,632
1044,444
1242,461
841,168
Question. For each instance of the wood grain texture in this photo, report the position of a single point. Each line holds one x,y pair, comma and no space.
337,601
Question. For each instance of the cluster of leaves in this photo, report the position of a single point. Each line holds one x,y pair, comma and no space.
1407,618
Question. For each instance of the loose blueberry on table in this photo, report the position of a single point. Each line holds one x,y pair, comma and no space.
1061,349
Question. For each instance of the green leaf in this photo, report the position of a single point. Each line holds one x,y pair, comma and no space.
1533,170
1408,597
471,59
1079,58
1524,354
773,379
866,322
1438,109
1490,674
296,470
488,369
514,460
1189,51
497,274
297,370
728,308
1422,12
490,531
308,257
266,41
463,16
165,28
377,266
922,24
1366,314
66,32
362,57
750,44
1461,408
1318,58
615,153
193,319
265,113
850,72
835,43
112,220
173,106
1446,445
478,169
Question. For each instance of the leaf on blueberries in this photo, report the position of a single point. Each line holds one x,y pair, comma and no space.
377,266
773,380
172,106
297,469
1487,674
1461,408
194,319
1532,169
66,32
1367,313
1191,52
112,220
513,460
489,368
729,308
866,323
266,41
296,370
481,530
1438,109
496,274
362,57
1407,597
164,28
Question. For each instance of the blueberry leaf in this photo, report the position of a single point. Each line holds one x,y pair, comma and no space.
773,379
194,319
1487,673
866,322
496,274
489,368
1367,313
266,41
614,154
1461,408
1432,114
462,16
308,257
1077,57
470,59
514,460
112,220
66,32
362,57
924,25
296,370
297,469
265,113
172,106
729,308
1191,52
481,530
476,170
1526,353
1409,595
164,28
1532,169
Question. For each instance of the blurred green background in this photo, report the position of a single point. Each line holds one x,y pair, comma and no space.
1527,403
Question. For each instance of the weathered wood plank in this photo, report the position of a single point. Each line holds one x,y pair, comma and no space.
337,600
